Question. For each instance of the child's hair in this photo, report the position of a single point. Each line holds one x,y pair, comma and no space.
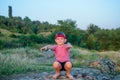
60,34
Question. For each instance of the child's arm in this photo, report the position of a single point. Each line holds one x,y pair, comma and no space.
47,47
69,45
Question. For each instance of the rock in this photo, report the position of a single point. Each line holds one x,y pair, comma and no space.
48,54
47,57
78,74
116,77
107,66
89,74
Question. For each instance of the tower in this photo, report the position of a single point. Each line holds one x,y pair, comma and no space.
10,11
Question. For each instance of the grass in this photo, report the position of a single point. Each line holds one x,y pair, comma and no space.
5,32
14,61
83,58
22,60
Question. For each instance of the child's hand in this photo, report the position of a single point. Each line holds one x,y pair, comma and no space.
43,48
47,47
69,45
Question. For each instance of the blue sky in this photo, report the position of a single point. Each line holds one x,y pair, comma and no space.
104,13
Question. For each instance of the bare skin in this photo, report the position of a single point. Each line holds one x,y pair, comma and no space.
68,67
57,68
56,65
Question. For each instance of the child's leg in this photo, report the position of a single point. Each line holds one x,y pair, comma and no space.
57,67
68,67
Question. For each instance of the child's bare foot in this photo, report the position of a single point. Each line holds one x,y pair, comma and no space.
56,76
70,77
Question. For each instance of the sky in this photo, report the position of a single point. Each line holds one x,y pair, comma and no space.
103,13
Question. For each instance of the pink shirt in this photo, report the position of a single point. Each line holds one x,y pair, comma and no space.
61,53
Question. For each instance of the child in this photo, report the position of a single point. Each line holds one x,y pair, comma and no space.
61,51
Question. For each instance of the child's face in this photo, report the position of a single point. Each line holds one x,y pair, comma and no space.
60,40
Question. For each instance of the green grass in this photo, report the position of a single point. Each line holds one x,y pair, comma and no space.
14,61
22,60
82,58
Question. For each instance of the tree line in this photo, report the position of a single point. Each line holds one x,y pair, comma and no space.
35,32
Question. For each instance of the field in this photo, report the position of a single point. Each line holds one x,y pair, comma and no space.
23,60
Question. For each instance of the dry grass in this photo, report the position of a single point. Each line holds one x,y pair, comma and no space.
89,58
113,55
5,32
20,60
13,61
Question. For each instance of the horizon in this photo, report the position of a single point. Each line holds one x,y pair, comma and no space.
104,14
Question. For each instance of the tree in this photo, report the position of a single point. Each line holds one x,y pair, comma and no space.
93,28
91,42
103,39
27,25
35,29
67,26
67,23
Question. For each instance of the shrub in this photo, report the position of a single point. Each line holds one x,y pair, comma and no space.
12,35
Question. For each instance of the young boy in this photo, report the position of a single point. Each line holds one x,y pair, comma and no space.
62,56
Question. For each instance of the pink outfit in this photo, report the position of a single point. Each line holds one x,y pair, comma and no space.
61,53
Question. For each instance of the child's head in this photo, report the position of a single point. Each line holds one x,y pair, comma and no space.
60,38
60,34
